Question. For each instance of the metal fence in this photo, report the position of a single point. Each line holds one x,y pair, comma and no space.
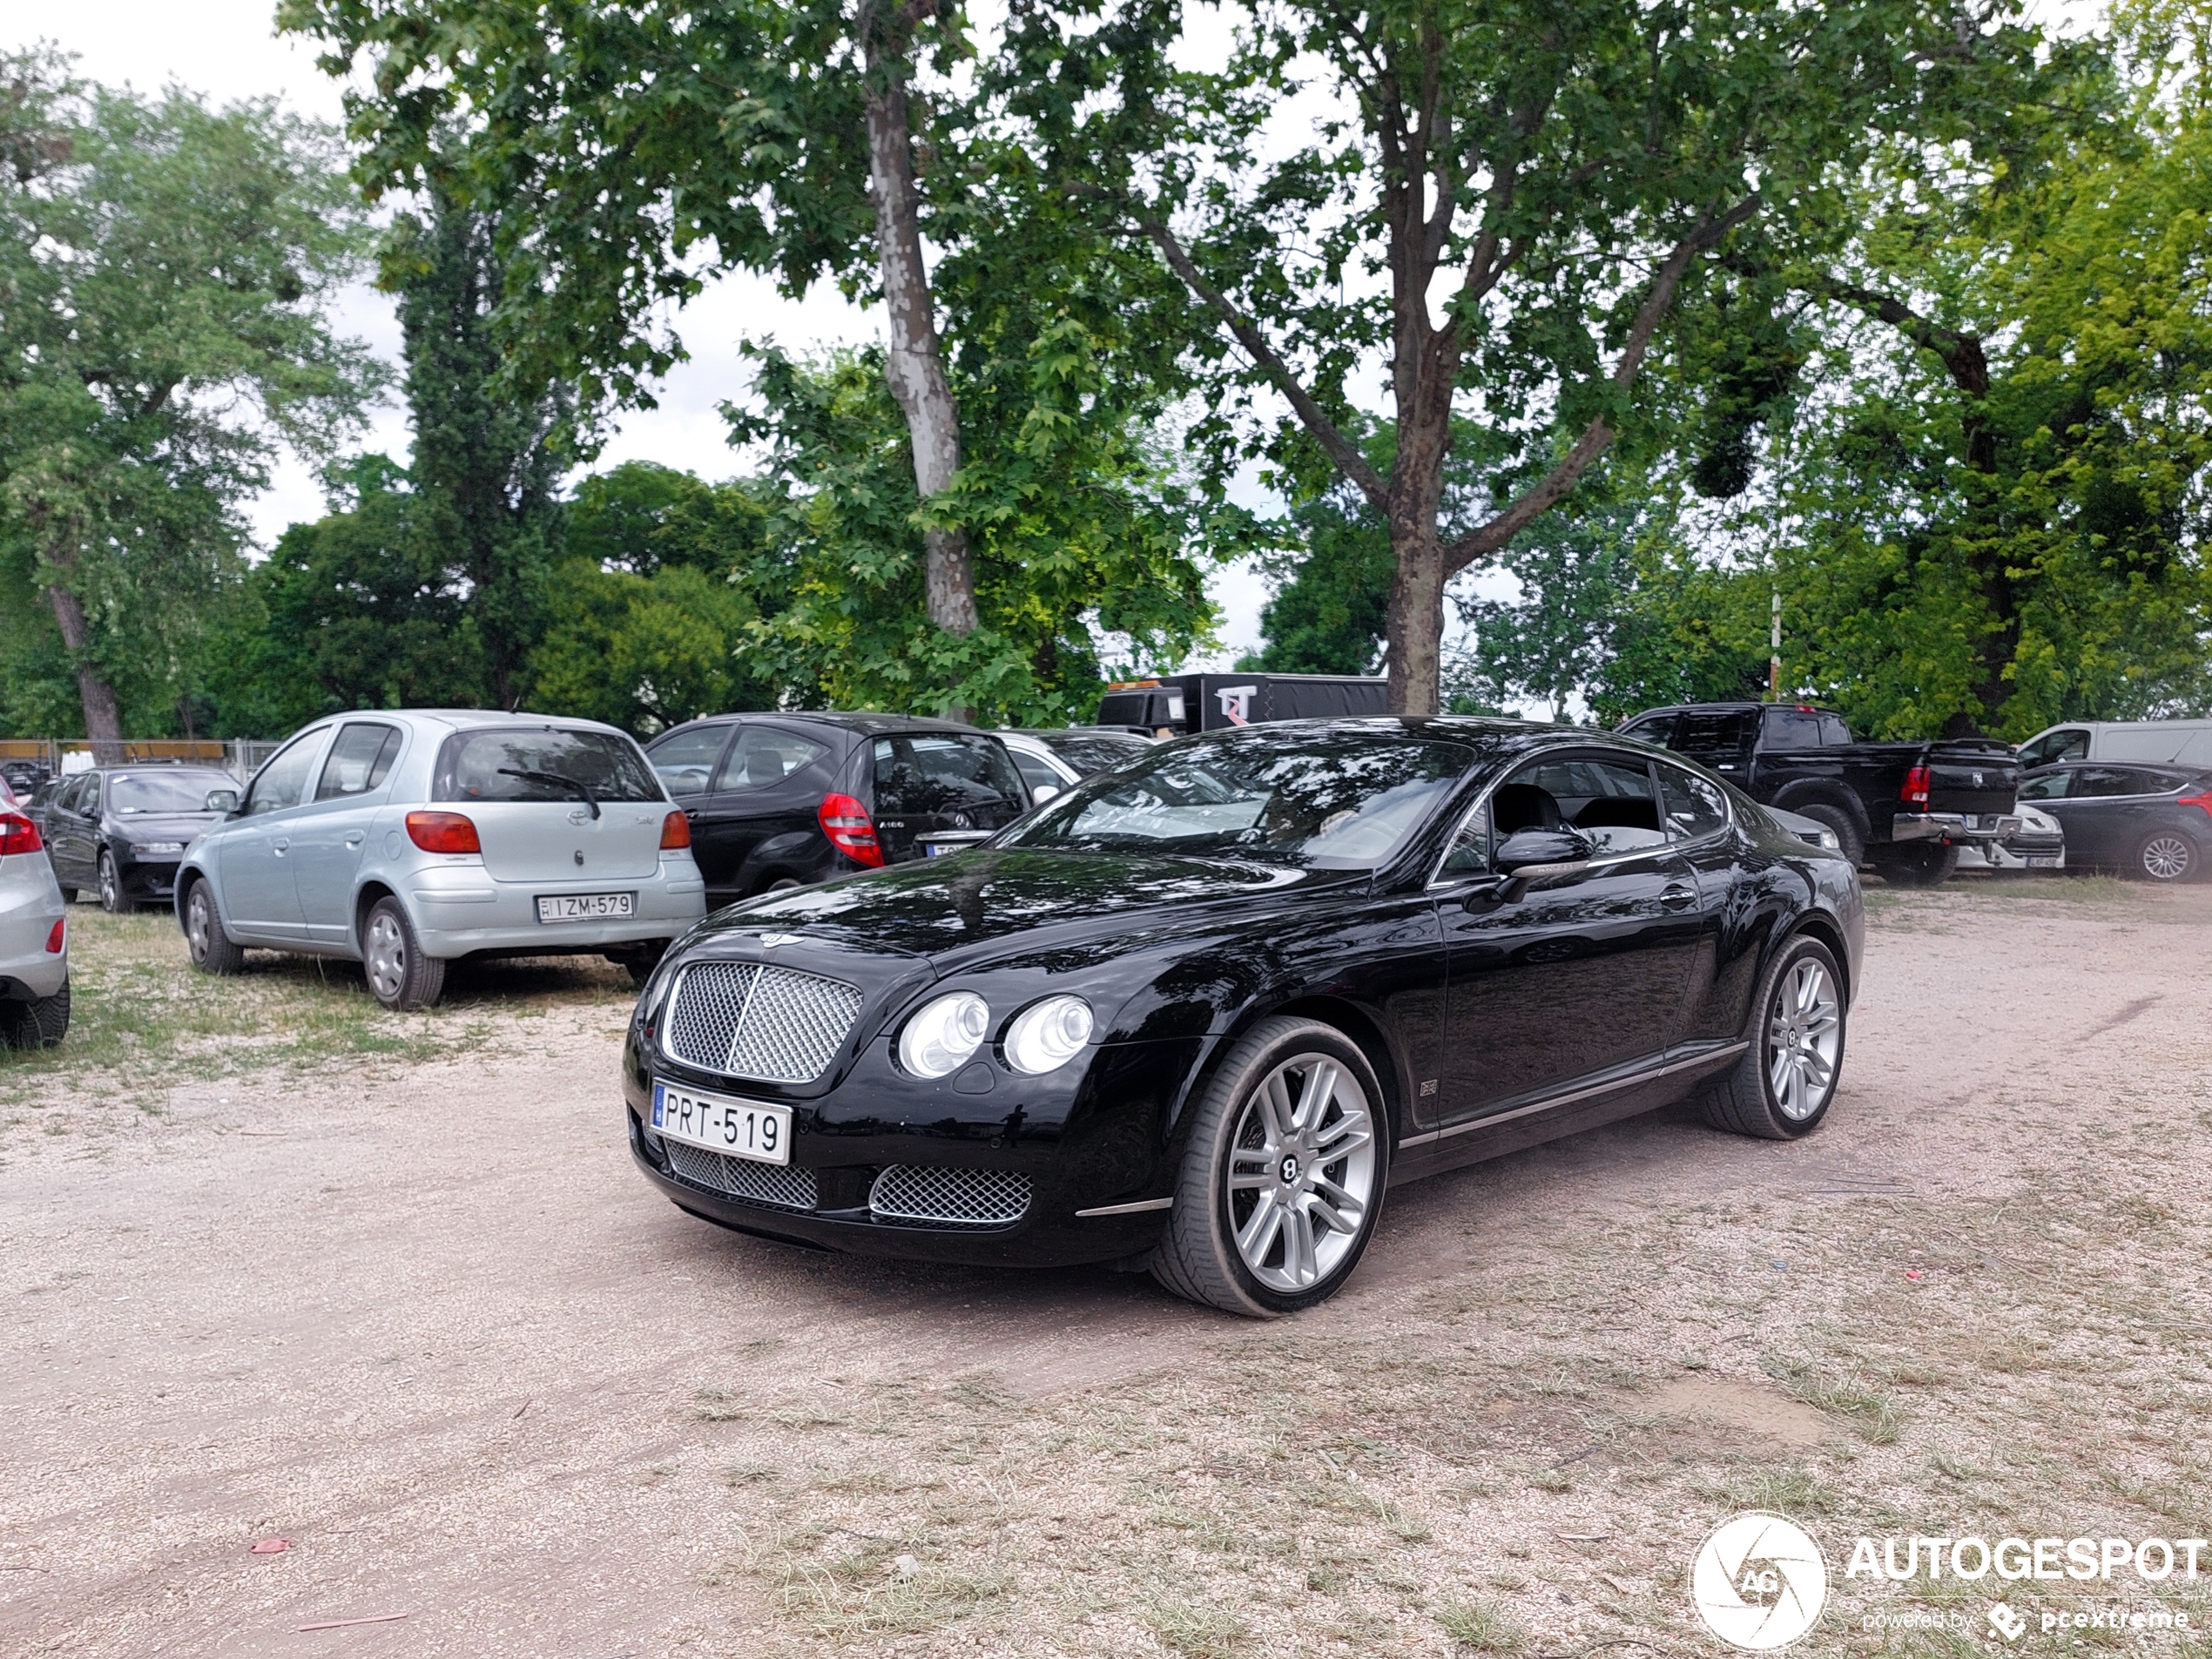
240,757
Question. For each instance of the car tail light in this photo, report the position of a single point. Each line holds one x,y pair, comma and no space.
1915,792
675,832
59,937
2203,803
845,822
443,833
18,834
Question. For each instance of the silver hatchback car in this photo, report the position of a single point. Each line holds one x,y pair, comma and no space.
405,840
34,938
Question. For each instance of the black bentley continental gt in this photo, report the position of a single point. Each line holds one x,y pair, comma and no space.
1199,1014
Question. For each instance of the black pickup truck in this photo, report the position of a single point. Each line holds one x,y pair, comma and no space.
1904,809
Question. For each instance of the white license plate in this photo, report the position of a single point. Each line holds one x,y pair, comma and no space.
743,1128
584,907
2047,862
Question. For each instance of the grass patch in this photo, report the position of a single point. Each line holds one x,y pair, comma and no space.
1200,1632
1482,1626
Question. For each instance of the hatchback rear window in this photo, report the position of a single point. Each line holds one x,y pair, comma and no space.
541,763
930,772
132,793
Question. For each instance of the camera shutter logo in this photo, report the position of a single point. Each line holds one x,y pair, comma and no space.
1758,1581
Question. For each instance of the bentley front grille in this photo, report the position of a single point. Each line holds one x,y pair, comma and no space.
776,1184
772,1025
949,1198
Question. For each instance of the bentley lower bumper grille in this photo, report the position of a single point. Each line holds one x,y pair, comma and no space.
949,1198
751,1019
777,1185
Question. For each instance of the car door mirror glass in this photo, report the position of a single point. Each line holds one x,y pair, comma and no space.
1532,847
222,800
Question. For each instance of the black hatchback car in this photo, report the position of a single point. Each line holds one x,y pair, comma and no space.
122,830
782,800
2151,822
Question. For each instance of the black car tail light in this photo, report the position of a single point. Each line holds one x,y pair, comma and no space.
851,831
1915,792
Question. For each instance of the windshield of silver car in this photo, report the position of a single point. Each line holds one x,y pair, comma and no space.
1324,803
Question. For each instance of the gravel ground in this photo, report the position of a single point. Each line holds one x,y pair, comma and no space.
413,1313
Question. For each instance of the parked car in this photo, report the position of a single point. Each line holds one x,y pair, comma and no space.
34,939
1200,1013
2185,743
407,840
780,800
1049,760
120,832
2151,822
2039,844
23,776
1903,809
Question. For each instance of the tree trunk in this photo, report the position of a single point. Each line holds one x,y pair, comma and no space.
915,365
1412,655
103,719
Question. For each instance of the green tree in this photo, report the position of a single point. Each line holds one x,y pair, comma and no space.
167,270
1504,219
486,473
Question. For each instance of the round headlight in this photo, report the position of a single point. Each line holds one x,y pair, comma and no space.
944,1032
1048,1034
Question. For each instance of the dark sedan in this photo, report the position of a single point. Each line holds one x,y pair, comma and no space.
121,832
1198,1015
778,800
2151,822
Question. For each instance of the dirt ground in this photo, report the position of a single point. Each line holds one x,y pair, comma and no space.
395,1296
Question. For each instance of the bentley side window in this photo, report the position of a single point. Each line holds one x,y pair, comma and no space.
1470,850
1695,807
1608,800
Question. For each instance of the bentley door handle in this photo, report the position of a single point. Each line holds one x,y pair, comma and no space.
1678,898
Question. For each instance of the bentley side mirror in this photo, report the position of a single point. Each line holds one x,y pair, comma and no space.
1532,855
222,800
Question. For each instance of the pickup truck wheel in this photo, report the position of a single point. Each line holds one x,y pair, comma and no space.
1922,866
1783,1087
2164,857
1845,828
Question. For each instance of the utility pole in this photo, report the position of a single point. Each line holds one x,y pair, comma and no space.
1774,662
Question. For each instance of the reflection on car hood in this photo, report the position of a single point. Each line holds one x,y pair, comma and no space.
941,905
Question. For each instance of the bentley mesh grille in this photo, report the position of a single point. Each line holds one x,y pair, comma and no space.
769,1183
949,1198
773,1025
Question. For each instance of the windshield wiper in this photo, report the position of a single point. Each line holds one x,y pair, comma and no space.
581,787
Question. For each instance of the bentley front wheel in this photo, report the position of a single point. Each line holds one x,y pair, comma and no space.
1284,1176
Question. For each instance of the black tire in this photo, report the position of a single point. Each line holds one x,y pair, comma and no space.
1199,1257
399,975
111,886
1916,865
782,883
212,950
39,1024
1842,824
2166,857
1743,1102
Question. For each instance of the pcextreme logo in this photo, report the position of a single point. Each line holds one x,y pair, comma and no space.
1758,1581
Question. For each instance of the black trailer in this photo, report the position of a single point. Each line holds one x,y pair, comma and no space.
1176,704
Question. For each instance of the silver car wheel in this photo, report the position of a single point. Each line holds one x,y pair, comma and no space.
196,928
2166,858
1805,1040
386,956
1301,1172
110,889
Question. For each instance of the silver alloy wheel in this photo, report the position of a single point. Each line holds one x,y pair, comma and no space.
387,955
1301,1172
198,911
1805,1040
111,892
2166,858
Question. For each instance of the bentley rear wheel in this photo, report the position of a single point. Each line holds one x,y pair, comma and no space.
1284,1176
1783,1085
